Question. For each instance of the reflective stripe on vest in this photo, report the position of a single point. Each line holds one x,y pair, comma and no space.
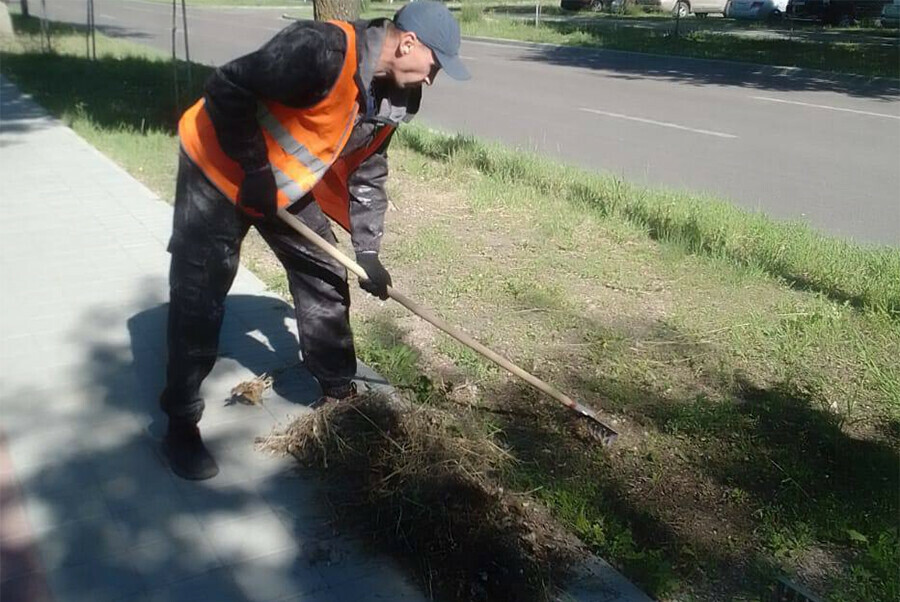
290,144
301,143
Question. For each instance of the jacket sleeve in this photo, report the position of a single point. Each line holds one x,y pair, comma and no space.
298,67
368,201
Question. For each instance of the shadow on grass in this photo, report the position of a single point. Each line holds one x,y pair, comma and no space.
32,25
716,497
135,93
777,444
771,462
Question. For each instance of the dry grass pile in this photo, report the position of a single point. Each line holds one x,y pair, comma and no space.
418,481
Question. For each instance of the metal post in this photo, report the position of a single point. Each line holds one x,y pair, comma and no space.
92,29
45,30
174,57
187,49
677,19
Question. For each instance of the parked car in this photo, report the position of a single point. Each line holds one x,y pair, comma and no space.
890,15
770,10
836,12
699,8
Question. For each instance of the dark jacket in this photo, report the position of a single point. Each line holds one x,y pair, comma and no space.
297,68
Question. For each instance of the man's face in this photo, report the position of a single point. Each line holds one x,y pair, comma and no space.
415,64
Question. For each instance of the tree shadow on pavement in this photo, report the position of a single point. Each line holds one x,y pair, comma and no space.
255,335
19,116
112,521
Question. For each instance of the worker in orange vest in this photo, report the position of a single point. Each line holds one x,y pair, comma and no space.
303,123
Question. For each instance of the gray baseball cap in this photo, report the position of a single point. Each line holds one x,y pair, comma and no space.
436,28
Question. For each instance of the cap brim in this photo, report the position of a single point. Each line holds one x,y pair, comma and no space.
452,66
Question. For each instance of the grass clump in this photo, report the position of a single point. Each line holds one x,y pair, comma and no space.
416,479
471,13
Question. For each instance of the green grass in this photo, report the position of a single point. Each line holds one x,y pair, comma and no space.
431,241
123,103
847,57
382,346
470,362
780,449
745,387
845,272
752,363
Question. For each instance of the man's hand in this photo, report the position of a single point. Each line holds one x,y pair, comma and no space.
259,193
379,279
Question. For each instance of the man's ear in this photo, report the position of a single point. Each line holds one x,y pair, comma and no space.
407,42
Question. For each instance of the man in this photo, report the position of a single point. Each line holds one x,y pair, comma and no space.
302,123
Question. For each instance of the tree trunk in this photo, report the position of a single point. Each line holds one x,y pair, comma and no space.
23,4
343,10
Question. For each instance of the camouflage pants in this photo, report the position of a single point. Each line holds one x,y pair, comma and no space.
205,251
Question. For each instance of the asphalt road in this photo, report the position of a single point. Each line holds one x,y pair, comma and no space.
793,146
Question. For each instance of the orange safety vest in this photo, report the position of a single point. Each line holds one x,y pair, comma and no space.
304,145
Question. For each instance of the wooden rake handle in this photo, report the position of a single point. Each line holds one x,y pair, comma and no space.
294,223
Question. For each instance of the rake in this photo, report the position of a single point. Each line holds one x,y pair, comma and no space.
598,428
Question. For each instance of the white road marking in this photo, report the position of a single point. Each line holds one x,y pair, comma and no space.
815,106
468,58
110,17
660,123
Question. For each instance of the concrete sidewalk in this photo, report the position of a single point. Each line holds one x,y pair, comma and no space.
89,512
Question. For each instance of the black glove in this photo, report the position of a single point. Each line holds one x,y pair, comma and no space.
259,193
379,279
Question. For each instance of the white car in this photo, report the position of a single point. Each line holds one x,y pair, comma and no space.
700,8
756,9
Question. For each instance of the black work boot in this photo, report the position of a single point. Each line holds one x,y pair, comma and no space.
334,394
188,457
